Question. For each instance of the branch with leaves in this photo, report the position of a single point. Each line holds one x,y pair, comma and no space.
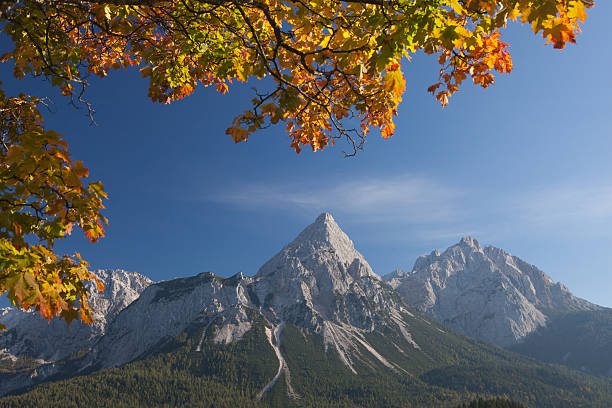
331,61
42,197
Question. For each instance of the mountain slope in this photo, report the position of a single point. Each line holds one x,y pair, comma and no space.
186,371
318,282
581,340
484,292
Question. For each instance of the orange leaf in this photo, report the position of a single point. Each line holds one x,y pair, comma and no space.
222,87
79,170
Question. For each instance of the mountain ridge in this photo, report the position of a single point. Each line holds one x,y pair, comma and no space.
311,324
29,335
484,292
319,282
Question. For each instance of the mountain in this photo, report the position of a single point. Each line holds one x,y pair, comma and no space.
32,340
314,327
318,282
485,293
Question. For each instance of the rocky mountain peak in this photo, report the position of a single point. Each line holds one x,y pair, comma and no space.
321,247
319,282
313,273
454,258
325,218
485,293
469,242
395,275
325,232
120,289
465,250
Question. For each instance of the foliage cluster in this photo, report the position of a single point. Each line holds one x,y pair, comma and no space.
42,197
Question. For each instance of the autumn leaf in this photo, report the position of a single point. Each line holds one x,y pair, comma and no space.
394,82
222,87
577,11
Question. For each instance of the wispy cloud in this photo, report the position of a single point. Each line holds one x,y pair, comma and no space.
567,204
407,198
424,209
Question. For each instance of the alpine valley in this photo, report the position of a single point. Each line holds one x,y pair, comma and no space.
316,327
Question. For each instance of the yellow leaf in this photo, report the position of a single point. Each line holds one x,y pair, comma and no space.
577,11
107,13
394,82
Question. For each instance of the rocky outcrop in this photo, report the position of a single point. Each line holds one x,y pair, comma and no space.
484,292
165,309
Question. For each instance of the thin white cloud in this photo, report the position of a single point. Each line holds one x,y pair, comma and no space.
424,209
567,204
407,198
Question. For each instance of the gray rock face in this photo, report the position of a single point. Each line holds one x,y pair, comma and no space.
484,292
322,272
165,309
29,335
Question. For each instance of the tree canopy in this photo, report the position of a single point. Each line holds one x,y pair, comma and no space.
334,70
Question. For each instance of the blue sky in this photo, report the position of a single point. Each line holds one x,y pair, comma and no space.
524,165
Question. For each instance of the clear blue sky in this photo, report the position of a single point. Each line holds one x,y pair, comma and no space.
524,165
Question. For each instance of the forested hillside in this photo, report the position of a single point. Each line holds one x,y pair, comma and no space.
232,375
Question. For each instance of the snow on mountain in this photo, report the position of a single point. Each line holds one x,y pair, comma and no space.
484,292
29,335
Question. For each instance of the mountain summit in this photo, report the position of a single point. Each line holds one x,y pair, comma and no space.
484,292
319,283
324,239
322,257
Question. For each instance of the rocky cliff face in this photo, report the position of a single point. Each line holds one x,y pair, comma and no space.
29,335
165,309
484,292
321,274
